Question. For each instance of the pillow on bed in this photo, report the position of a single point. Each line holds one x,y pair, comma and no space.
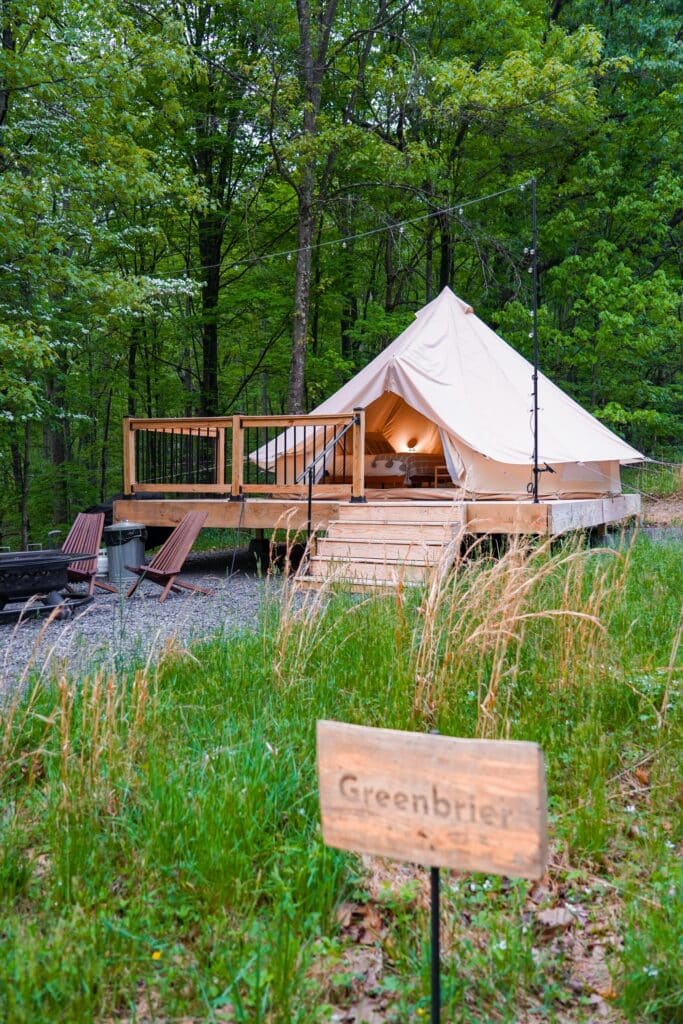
384,465
377,444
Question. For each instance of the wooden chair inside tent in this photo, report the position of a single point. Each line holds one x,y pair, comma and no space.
169,559
86,536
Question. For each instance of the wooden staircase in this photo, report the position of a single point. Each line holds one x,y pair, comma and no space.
381,544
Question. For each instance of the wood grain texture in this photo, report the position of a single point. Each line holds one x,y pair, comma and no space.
129,469
358,463
182,424
298,491
590,512
472,805
506,517
380,548
253,513
416,533
357,570
351,520
237,457
220,456
386,512
143,487
302,420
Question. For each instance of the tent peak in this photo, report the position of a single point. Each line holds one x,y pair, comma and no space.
448,295
445,299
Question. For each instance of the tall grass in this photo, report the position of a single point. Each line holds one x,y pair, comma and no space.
655,480
160,855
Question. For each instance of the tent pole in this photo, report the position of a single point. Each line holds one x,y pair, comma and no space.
534,312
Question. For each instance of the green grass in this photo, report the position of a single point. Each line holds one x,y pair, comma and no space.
654,480
225,539
160,855
218,539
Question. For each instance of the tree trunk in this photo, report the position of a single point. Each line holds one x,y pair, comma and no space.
313,56
132,369
210,237
429,259
316,273
348,320
302,290
186,379
390,274
104,458
20,454
265,401
55,444
8,43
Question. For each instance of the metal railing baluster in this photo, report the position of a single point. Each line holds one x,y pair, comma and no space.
186,452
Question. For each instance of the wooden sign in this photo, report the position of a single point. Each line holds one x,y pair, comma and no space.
474,805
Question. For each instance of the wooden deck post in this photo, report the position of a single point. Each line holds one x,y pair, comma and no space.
220,455
358,434
129,468
237,459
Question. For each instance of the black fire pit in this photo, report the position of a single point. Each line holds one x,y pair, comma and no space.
39,574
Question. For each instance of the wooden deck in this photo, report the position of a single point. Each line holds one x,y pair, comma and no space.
244,473
547,518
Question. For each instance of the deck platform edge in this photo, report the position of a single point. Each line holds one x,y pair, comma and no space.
550,517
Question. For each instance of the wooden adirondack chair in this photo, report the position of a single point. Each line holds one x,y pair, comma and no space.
169,559
86,536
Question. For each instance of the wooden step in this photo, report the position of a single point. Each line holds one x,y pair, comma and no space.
412,531
410,512
353,586
418,553
383,544
358,570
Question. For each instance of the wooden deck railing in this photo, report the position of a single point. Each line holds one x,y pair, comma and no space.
216,455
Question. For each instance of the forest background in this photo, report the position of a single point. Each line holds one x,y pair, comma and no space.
181,184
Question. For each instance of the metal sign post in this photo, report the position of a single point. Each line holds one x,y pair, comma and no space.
534,313
436,947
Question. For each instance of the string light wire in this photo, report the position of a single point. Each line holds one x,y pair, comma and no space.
345,239
288,254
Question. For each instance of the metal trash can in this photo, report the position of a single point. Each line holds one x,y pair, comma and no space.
125,546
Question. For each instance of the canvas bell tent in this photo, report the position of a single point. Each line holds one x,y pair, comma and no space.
450,399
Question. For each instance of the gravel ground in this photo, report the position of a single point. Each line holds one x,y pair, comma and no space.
663,511
112,633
